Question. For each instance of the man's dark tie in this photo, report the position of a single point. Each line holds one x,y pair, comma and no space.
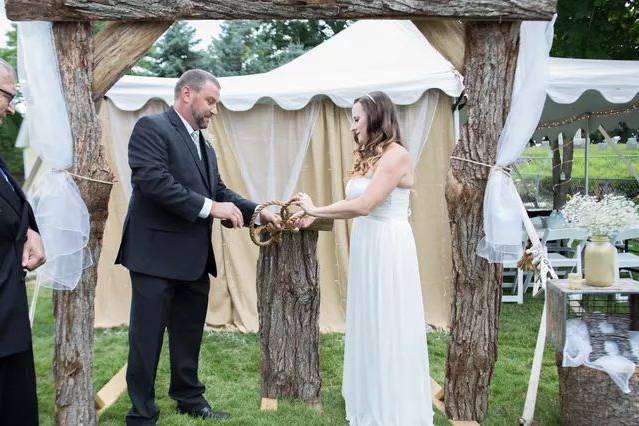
205,160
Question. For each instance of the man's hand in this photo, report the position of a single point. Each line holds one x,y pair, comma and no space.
271,220
33,252
228,212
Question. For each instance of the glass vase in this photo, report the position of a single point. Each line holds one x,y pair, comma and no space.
600,262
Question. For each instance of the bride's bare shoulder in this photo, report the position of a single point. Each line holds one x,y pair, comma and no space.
396,153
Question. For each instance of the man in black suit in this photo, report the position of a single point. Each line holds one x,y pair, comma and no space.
20,248
166,244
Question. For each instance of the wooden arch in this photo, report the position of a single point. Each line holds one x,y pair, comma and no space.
91,64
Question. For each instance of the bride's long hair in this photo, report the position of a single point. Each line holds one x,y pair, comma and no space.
382,128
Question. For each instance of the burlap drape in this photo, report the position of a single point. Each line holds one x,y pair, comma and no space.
233,304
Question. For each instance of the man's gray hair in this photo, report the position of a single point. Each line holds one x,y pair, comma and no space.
195,79
6,67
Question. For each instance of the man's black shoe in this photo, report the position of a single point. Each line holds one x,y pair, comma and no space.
204,413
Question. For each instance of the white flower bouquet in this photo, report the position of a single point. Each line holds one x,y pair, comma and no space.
601,217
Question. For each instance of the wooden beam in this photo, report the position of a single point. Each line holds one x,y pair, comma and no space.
169,10
111,391
118,46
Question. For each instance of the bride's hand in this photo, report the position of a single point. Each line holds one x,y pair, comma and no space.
300,220
304,201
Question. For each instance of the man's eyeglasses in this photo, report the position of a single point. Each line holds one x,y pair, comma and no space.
10,96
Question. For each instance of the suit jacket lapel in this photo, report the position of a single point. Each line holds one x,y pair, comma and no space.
13,198
186,138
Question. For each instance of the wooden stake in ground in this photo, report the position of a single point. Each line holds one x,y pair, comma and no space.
74,310
491,57
288,299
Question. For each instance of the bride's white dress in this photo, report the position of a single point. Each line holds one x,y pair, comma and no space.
386,376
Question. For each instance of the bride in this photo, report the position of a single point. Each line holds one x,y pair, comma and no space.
386,376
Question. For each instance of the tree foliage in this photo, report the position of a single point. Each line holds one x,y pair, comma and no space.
172,54
597,29
11,126
249,47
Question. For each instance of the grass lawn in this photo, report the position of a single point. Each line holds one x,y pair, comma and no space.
229,367
602,163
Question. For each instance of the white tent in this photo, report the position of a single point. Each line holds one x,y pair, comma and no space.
367,56
580,86
288,129
392,56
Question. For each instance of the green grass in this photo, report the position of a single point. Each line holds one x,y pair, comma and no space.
229,367
602,163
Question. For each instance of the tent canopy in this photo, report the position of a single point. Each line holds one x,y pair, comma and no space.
367,56
579,86
616,81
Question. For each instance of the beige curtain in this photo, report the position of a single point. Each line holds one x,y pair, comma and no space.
447,36
233,304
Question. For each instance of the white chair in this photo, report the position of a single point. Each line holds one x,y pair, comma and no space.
565,257
625,260
511,270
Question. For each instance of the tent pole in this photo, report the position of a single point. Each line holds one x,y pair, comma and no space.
586,152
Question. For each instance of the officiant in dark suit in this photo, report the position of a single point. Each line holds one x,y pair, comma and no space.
166,244
20,249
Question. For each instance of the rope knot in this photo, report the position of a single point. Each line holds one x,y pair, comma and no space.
276,234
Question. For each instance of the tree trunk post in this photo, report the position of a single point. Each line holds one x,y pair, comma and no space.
490,62
288,299
74,310
633,301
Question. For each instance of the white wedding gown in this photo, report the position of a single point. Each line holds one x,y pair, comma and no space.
386,375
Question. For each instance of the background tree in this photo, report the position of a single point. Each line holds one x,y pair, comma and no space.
9,130
597,29
250,47
172,54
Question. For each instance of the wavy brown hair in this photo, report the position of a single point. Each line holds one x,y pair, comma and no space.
382,128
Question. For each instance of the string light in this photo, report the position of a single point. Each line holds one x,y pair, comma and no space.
580,117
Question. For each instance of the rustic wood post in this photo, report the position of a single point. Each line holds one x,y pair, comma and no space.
288,299
490,61
74,310
633,300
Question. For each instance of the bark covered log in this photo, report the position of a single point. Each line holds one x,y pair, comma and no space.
588,397
288,299
74,310
118,46
490,61
163,10
633,300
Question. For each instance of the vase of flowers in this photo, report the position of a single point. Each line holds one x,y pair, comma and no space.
603,218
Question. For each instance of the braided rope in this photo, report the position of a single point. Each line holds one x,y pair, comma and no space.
276,236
